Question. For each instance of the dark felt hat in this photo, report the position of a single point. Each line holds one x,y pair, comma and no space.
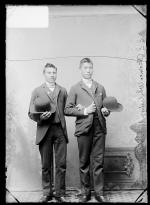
111,104
42,104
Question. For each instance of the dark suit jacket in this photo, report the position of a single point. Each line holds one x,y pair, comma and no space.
43,125
79,94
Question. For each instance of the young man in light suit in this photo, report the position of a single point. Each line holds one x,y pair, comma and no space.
50,98
85,103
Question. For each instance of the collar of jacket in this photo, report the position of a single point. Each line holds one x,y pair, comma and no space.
83,86
46,89
48,85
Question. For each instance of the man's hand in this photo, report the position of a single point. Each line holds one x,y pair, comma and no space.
91,108
80,107
105,111
45,115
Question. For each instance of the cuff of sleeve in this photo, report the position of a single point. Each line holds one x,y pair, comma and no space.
85,112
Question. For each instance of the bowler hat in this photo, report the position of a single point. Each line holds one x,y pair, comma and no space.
111,104
42,104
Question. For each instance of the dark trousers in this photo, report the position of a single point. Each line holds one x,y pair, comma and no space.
54,136
92,146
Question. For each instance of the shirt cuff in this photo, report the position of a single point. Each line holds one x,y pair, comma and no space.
85,111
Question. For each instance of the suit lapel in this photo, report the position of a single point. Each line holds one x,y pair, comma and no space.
47,91
92,95
57,91
95,86
84,87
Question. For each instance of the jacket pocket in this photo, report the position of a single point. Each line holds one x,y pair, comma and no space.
83,124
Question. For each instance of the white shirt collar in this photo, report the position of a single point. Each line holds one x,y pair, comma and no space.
87,82
50,86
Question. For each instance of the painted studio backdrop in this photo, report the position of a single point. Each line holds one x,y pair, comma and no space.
115,40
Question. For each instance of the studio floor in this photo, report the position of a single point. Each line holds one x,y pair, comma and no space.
72,196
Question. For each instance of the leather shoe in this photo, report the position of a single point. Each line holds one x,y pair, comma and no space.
45,199
60,199
85,198
99,198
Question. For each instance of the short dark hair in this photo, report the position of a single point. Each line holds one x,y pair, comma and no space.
85,60
49,65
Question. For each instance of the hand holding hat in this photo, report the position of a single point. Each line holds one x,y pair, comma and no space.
45,115
112,105
105,112
42,107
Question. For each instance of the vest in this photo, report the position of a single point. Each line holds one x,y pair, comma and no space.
55,115
91,90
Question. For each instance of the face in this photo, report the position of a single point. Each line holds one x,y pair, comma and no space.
50,74
86,70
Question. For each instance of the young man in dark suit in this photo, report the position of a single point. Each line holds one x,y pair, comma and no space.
85,103
47,109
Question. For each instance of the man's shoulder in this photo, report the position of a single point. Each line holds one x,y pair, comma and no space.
76,86
38,88
63,89
98,84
